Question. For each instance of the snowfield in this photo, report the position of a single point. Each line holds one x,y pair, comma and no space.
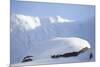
50,40
59,46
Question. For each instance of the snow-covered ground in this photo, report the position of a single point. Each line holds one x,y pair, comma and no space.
81,58
42,37
59,46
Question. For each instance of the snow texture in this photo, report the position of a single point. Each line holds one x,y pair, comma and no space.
43,37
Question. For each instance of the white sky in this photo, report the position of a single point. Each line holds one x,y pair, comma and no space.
88,2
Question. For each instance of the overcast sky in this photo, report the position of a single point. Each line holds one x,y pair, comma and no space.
70,11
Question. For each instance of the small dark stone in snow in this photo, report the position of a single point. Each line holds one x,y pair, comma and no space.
91,56
27,59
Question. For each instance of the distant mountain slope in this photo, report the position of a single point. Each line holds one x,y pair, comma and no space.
27,31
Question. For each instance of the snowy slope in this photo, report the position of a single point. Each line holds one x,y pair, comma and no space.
59,46
33,33
79,58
